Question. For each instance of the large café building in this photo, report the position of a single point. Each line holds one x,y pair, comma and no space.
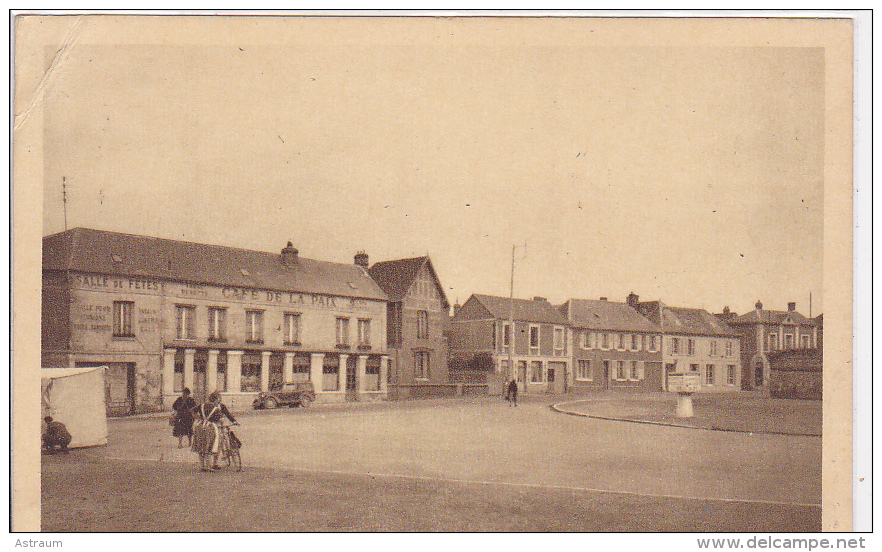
164,314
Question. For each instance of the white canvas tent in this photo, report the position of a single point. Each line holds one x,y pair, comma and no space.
75,397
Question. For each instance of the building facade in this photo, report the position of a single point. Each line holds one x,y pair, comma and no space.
526,340
614,346
694,341
766,331
416,317
165,314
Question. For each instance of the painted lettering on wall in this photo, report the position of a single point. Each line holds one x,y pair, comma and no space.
109,282
291,298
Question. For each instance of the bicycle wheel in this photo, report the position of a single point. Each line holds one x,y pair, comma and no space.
236,458
226,449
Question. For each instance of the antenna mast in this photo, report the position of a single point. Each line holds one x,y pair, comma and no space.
64,199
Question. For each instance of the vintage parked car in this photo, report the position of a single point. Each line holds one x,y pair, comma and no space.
288,394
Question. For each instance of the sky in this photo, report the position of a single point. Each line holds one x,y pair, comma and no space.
693,175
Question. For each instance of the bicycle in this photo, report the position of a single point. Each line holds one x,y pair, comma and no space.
229,448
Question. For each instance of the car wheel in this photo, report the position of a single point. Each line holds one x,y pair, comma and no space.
304,402
270,403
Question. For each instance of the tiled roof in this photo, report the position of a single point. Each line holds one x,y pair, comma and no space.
396,277
607,315
686,321
772,317
524,310
98,251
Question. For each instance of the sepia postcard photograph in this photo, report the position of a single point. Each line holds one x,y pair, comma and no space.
427,273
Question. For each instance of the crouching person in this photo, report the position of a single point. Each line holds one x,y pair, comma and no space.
56,436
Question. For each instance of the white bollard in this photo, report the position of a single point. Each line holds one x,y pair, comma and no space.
684,405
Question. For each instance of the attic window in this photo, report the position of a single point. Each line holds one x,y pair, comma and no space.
116,258
353,286
244,272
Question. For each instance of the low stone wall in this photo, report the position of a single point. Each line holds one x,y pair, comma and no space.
426,390
466,376
796,374
792,384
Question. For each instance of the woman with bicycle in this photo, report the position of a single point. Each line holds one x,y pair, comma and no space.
207,433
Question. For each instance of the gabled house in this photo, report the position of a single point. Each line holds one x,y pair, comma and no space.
416,317
534,349
614,346
766,331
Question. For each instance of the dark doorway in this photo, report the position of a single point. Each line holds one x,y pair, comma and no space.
759,378
606,374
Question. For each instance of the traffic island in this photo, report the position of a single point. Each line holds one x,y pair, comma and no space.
738,412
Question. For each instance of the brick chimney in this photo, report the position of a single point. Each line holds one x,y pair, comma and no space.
361,259
289,255
759,305
633,300
791,307
603,299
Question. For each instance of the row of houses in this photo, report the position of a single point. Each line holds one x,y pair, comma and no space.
167,314
631,344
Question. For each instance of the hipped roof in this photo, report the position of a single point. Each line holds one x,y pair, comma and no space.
112,253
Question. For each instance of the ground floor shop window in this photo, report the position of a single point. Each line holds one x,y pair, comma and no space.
372,374
300,369
635,373
710,374
730,374
250,377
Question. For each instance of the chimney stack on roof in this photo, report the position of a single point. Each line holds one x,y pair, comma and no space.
537,298
791,307
289,256
361,259
759,305
633,300
603,298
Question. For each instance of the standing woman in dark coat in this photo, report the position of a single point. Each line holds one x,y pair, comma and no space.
183,407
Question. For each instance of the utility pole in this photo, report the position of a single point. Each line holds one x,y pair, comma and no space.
64,199
512,372
810,304
661,346
511,368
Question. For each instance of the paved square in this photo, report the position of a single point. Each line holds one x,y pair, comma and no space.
480,446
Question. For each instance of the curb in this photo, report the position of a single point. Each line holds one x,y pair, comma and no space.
556,407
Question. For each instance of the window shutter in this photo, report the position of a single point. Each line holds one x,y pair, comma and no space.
640,366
